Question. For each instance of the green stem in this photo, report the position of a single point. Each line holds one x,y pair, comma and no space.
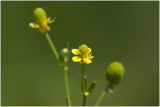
67,87
65,71
84,100
66,100
100,98
83,89
52,45
103,94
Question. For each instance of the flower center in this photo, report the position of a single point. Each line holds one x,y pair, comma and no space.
83,49
39,16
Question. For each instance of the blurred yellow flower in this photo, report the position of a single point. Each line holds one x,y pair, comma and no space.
84,54
40,20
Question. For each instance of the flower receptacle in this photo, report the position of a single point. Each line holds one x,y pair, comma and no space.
39,15
83,49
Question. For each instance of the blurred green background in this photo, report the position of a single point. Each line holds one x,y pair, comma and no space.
116,31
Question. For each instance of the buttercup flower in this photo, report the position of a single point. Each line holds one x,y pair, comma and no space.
84,54
40,20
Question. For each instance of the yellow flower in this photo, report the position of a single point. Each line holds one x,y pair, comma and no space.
40,20
84,54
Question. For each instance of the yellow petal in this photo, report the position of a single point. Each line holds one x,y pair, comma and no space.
76,51
89,50
47,27
87,60
91,57
76,59
44,27
51,21
33,25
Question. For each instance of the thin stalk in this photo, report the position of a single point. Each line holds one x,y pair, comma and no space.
83,89
65,71
100,98
103,94
84,100
67,88
66,100
52,45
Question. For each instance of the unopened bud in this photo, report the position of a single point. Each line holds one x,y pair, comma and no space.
115,72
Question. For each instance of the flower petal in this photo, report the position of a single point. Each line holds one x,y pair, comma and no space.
89,50
51,21
33,25
76,59
76,51
87,60
44,27
91,57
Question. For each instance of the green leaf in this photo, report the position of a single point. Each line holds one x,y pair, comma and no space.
91,87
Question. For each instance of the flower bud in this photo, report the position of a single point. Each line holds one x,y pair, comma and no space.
39,15
65,51
83,49
115,72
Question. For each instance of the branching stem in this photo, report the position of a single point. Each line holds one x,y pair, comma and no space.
65,71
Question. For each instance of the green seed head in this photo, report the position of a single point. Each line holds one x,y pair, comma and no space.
39,15
115,72
83,49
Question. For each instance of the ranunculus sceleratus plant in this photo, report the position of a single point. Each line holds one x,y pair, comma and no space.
83,55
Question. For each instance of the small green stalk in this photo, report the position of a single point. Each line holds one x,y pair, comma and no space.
100,98
52,45
83,87
67,87
84,100
103,94
65,71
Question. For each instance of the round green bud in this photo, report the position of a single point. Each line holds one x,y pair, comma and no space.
39,15
83,49
115,72
65,51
